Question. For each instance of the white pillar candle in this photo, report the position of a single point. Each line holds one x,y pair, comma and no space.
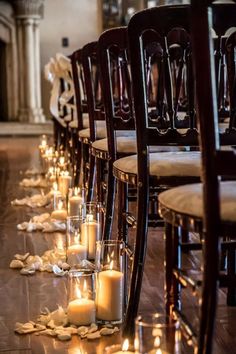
110,295
76,253
64,183
90,234
81,312
59,214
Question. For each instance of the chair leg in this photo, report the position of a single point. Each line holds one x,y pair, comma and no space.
231,271
122,210
99,180
78,161
209,297
168,267
138,262
91,174
176,237
172,261
110,202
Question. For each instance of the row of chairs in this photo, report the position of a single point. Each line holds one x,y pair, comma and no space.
144,94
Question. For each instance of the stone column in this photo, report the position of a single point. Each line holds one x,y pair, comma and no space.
27,14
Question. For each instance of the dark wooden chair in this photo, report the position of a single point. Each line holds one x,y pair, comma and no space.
116,91
207,208
157,171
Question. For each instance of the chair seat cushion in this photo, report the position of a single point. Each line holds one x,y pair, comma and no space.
101,133
124,144
165,164
73,124
127,144
187,200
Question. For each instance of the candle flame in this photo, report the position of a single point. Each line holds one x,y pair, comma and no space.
76,237
76,191
61,160
159,351
77,292
125,345
157,342
89,217
111,265
60,205
55,186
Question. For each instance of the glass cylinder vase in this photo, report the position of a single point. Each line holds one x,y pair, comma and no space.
157,334
76,251
91,228
110,293
81,310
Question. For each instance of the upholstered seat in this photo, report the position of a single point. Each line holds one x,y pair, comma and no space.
187,200
100,133
164,164
127,144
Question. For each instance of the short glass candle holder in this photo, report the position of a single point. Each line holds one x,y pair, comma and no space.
81,310
110,293
76,251
64,182
75,201
91,228
157,334
59,206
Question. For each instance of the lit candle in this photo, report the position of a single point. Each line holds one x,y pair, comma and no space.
43,145
52,174
75,202
110,294
76,252
64,182
81,311
60,213
90,234
54,191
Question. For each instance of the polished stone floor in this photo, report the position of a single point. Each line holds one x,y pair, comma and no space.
23,297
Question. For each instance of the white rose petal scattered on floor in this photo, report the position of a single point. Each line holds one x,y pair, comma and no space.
42,223
34,182
50,260
55,324
36,201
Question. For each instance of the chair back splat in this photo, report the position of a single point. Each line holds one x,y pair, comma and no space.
92,86
116,84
